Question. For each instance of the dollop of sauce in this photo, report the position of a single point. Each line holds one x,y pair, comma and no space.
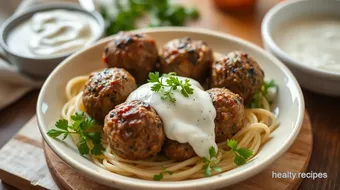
312,41
189,120
53,32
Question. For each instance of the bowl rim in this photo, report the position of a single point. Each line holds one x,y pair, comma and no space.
17,19
196,183
282,55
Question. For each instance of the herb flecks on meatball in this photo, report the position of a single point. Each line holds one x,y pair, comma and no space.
106,89
137,53
134,130
187,57
238,72
230,113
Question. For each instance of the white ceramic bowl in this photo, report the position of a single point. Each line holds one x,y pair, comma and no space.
311,78
289,106
41,67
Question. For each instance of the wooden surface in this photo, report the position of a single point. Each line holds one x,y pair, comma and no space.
23,164
323,110
294,160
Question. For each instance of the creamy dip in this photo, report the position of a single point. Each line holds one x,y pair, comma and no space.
189,120
52,33
312,41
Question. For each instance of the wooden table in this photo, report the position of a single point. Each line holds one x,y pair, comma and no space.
323,110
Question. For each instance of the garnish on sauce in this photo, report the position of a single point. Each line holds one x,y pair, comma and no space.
241,154
81,127
171,84
256,103
210,163
161,174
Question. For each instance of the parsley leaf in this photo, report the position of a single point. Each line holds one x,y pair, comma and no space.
62,124
245,153
80,126
232,144
78,116
171,84
217,169
97,149
212,152
153,77
241,154
207,170
156,87
158,177
83,147
88,123
256,102
239,160
54,133
161,174
208,163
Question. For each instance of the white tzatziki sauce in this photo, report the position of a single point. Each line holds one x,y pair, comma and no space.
188,120
53,32
312,41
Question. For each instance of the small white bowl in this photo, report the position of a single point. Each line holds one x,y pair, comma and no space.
289,105
311,78
41,67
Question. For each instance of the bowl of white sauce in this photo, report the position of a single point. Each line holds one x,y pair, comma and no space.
305,35
37,40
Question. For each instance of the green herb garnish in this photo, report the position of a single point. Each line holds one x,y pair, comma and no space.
210,163
256,103
80,126
161,174
241,154
171,84
161,12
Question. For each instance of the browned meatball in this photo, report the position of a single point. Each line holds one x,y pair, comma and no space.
188,58
230,114
134,130
238,72
137,53
178,151
106,89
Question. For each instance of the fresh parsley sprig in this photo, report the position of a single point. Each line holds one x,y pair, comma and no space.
241,154
256,103
171,84
80,126
161,174
128,13
211,163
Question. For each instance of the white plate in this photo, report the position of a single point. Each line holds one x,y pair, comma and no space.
289,106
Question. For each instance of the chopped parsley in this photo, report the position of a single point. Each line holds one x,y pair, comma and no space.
160,12
80,126
171,84
161,174
256,102
241,154
210,163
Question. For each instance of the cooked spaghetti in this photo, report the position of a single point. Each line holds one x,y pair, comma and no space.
260,123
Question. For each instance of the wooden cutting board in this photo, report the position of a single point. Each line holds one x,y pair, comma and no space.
23,164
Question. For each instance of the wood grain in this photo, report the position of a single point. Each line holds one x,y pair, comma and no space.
23,162
15,116
323,110
294,160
